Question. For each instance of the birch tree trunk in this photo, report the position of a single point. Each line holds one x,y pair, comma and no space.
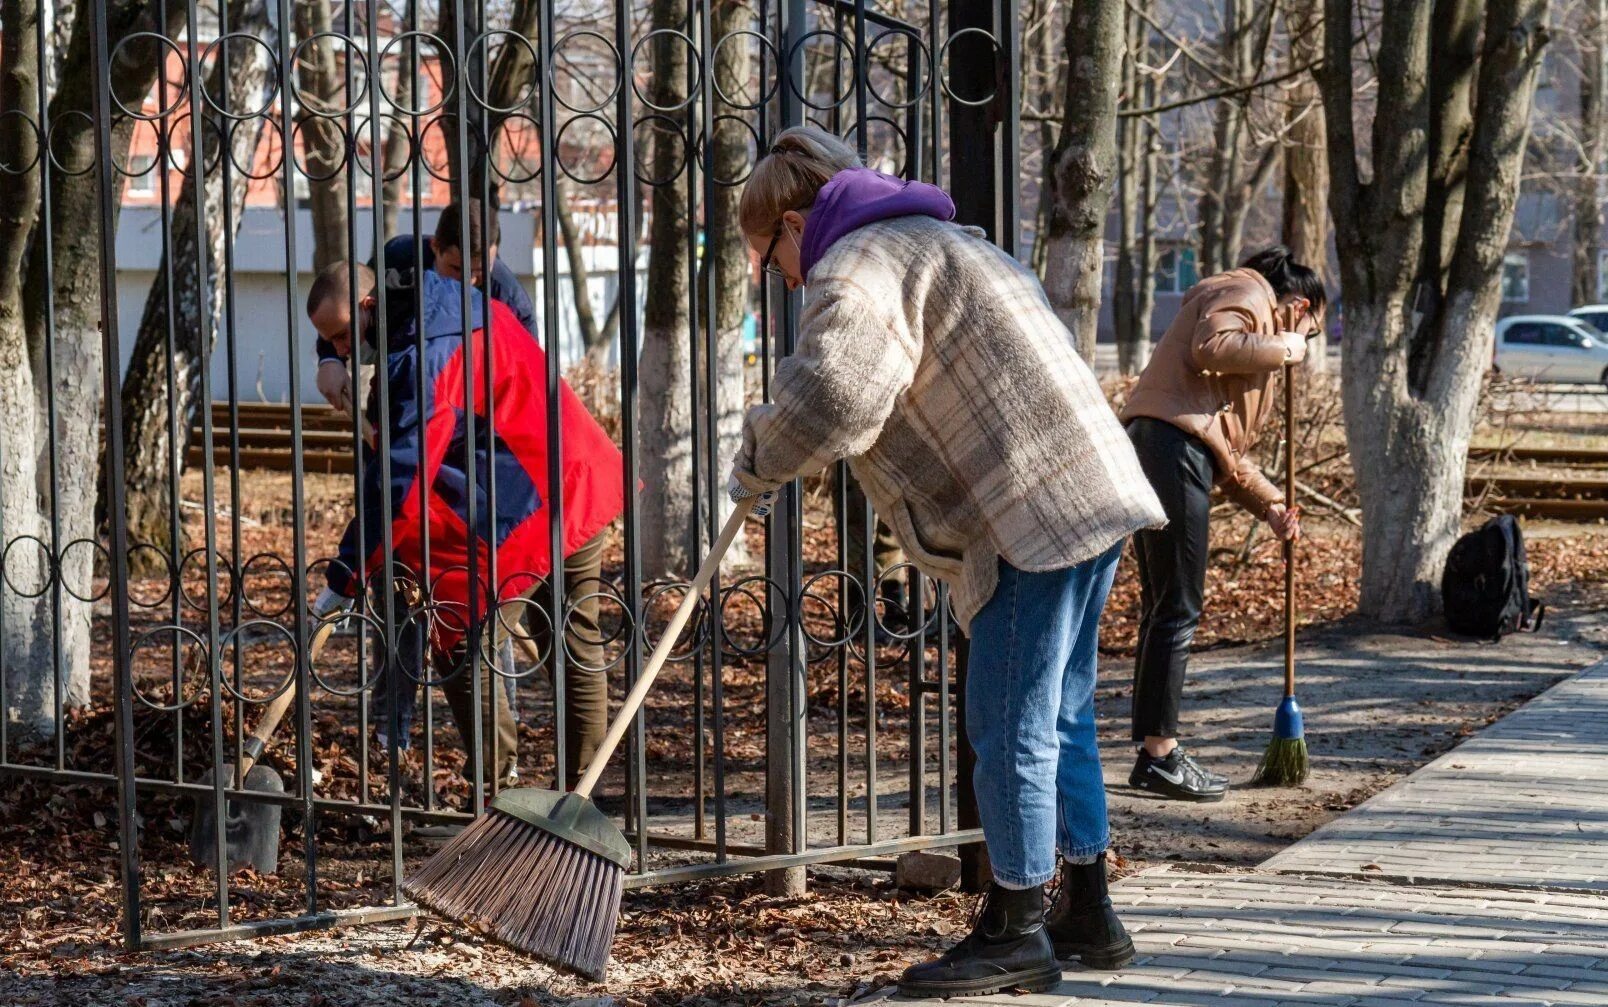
1443,178
665,368
156,433
62,286
321,85
1085,167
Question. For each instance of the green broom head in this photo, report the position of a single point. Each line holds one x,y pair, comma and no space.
1285,762
541,871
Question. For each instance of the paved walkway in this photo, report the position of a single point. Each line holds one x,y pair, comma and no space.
1479,880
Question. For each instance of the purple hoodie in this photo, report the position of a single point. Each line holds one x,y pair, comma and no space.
855,197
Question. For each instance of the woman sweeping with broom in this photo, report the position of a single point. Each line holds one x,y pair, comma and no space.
1193,418
933,362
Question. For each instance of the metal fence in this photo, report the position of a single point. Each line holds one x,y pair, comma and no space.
794,728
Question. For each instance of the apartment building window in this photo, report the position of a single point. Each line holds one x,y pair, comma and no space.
1516,278
1176,271
141,177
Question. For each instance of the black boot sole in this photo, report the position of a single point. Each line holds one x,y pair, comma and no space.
1034,981
1177,793
1107,959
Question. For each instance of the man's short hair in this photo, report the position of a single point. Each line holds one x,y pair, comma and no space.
334,281
484,229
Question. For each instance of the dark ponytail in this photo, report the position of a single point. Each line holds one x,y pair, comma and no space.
1288,276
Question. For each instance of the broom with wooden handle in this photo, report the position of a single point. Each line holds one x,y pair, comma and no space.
1284,764
542,870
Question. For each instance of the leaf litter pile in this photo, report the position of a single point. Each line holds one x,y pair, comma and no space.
713,942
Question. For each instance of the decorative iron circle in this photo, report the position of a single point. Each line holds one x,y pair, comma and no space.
926,80
502,131
177,632
764,95
614,88
180,93
361,127
166,562
39,142
419,621
500,624
345,148
843,45
699,621
515,626
693,61
943,54
352,50
223,564
101,552
443,172
904,139
48,563
686,154
246,573
167,147
273,65
928,615
482,41
806,594
50,144
444,61
607,592
237,636
268,122
558,148
381,651
772,639
752,131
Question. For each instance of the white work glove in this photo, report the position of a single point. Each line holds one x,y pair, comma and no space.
762,507
335,384
1295,347
329,602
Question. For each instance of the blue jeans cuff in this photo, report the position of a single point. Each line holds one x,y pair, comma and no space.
1089,850
1021,880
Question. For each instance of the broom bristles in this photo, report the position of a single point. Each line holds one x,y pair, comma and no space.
1284,764
528,889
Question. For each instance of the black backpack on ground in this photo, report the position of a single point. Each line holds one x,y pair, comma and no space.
1486,585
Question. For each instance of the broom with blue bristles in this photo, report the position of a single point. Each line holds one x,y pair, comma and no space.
1285,762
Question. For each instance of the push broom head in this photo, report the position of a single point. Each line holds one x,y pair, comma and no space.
541,872
1285,762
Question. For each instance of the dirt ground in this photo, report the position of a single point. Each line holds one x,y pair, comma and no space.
1378,706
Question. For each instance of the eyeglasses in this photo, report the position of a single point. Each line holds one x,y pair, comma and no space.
765,264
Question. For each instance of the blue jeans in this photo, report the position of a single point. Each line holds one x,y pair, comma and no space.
1030,718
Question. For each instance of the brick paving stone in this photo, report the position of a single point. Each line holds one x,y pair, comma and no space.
1307,931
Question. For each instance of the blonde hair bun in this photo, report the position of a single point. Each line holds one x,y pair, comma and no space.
800,160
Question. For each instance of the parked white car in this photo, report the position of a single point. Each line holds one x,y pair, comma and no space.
1595,315
1551,348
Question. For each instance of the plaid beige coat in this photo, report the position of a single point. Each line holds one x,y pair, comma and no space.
933,362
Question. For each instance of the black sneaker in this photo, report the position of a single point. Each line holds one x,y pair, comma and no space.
1178,777
1008,948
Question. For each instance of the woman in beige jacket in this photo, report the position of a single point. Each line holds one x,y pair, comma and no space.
1193,418
933,362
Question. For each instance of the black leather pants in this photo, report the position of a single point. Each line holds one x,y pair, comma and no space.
1172,570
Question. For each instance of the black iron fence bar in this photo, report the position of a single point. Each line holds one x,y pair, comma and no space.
329,919
802,858
127,828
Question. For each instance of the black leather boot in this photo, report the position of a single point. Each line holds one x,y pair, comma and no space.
1082,924
1007,948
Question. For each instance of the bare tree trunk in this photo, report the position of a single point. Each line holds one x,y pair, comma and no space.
1085,165
1306,161
394,159
1145,262
156,439
1419,326
66,472
666,362
726,252
20,651
580,278
1584,287
1124,296
321,83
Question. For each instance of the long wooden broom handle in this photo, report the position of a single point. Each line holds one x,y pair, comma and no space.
667,643
276,709
1289,543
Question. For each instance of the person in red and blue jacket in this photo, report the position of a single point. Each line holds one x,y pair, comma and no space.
430,485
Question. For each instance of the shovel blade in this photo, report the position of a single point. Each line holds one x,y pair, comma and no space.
250,828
